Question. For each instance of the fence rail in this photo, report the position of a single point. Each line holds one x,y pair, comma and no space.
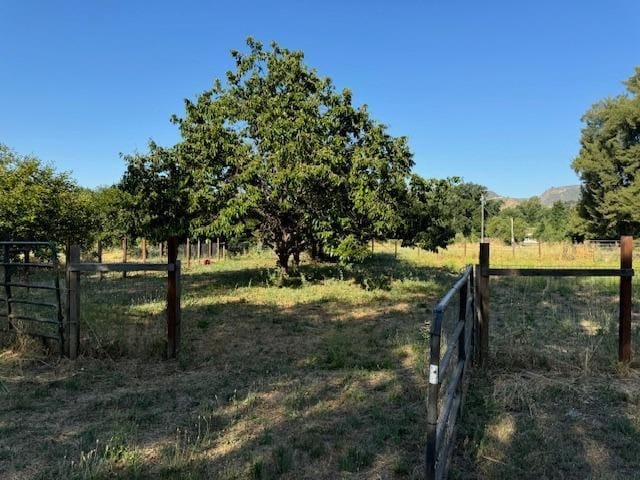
441,421
625,273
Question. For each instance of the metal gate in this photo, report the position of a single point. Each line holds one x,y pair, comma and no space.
31,286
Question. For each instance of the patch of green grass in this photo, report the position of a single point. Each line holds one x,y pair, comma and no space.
356,459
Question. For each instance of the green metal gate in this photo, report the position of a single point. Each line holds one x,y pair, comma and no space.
31,283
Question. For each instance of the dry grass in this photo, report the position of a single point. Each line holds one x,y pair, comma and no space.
322,379
552,402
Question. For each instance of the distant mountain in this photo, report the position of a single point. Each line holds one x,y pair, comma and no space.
568,193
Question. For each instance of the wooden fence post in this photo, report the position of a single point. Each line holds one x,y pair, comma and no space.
396,249
188,253
483,294
199,250
173,299
161,249
7,281
73,305
99,252
218,247
67,251
144,250
125,247
624,328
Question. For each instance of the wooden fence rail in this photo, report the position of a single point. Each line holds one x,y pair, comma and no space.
625,273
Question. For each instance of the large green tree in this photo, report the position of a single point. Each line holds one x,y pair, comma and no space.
277,148
609,164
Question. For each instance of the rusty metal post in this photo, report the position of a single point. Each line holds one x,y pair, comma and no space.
624,329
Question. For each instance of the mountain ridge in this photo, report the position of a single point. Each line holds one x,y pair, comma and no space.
564,193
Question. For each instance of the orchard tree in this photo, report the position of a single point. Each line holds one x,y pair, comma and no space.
466,208
158,191
115,214
276,148
609,164
38,203
430,221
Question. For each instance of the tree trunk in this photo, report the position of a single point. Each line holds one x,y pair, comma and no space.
283,260
314,251
296,259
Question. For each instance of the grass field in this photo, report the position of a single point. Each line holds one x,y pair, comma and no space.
322,379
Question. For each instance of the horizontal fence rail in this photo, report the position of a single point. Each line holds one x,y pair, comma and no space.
75,268
625,273
441,421
558,272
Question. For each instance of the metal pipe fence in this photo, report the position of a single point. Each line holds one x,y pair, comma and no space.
450,357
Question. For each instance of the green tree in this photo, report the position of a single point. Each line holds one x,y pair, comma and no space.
156,197
531,210
609,164
554,224
499,226
278,149
430,219
38,203
115,214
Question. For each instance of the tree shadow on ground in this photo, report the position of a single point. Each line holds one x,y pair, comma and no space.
551,402
321,388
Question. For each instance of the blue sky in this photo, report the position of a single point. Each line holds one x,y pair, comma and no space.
492,91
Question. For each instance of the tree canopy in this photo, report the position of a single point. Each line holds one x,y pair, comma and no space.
609,163
276,149
38,203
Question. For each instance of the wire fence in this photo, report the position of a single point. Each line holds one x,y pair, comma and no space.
123,316
562,323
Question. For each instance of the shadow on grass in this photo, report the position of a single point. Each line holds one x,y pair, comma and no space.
552,402
320,388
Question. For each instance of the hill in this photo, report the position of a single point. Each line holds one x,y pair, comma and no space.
567,193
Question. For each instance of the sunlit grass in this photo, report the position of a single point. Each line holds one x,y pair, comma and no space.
324,378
